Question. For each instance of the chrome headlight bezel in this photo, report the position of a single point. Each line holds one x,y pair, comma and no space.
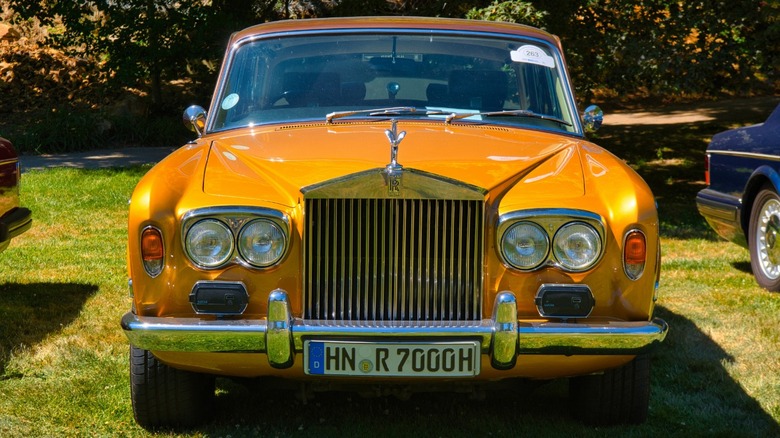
220,232
237,219
551,221
519,235
265,229
571,234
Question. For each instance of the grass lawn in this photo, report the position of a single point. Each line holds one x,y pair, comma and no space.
63,356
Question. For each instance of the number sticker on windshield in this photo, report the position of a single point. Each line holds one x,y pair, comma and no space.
532,55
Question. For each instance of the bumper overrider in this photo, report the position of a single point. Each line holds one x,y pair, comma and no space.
502,337
14,223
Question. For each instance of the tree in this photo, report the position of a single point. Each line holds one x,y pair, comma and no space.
143,42
658,47
510,11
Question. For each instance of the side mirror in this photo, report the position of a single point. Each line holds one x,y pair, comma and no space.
592,118
195,119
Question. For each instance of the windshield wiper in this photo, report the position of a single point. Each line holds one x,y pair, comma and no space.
513,113
391,111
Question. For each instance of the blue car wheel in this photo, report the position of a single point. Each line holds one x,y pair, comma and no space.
764,239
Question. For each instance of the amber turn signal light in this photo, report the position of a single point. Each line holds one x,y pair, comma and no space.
152,251
634,254
151,244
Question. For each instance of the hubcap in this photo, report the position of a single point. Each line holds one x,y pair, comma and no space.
767,239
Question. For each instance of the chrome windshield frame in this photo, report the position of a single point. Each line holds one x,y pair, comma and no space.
381,30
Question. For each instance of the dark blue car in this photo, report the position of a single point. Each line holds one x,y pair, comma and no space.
741,202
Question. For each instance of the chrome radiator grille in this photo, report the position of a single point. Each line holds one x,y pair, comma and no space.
393,259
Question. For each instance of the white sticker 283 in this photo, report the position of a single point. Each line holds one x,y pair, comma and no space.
530,54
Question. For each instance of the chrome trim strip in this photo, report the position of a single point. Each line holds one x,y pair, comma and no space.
195,334
624,337
719,205
15,222
231,336
248,213
307,329
770,157
372,184
283,336
386,30
708,208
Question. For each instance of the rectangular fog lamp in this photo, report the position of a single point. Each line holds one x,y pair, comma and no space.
219,298
564,301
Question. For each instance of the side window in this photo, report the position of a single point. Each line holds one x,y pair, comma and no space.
537,87
243,93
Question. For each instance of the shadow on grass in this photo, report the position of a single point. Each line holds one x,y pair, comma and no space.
30,312
692,395
743,267
694,392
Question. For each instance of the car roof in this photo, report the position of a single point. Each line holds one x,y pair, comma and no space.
406,23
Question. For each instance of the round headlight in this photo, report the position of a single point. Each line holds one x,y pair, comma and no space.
525,245
577,246
261,243
209,243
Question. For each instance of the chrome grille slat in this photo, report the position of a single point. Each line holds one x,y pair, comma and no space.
393,259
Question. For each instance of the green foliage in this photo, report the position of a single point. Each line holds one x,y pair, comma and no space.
616,50
425,8
144,41
669,48
510,11
658,47
647,47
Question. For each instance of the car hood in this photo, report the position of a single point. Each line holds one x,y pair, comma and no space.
276,164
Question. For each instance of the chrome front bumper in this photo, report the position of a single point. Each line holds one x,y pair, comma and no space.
15,222
502,337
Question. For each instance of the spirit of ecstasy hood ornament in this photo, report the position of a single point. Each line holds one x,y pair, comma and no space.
395,139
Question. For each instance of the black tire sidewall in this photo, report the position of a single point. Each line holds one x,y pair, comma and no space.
164,397
617,396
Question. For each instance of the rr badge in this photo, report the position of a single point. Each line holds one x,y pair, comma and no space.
394,184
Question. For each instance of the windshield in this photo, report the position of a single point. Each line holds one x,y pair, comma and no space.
295,78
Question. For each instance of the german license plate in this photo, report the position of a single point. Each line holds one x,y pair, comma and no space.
381,359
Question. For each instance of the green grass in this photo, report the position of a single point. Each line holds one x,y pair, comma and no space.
63,357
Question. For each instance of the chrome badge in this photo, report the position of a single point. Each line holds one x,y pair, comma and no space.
395,139
394,171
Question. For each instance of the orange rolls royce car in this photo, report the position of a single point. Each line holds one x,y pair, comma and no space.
14,219
394,202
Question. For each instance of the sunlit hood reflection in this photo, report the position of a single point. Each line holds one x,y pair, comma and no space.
274,164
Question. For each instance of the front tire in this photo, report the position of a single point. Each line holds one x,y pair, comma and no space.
618,396
764,239
165,397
